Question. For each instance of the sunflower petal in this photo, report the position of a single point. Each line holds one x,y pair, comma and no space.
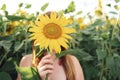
53,15
57,47
47,43
63,43
69,30
51,45
67,36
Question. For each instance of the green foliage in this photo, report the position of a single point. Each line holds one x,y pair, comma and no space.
3,7
28,73
14,18
14,42
96,46
70,8
4,76
20,5
117,1
43,8
28,6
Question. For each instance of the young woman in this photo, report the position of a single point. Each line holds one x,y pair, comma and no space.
64,68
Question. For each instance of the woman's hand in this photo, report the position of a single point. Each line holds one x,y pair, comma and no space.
45,66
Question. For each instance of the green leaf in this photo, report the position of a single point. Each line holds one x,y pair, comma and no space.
70,51
112,67
28,73
112,12
117,64
117,1
4,76
109,5
43,8
61,12
70,8
80,54
28,6
6,12
20,5
109,61
101,54
6,44
15,18
3,7
6,38
18,45
79,12
98,22
8,66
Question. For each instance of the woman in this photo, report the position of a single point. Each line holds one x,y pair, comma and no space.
65,68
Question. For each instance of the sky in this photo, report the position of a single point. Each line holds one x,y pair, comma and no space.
55,5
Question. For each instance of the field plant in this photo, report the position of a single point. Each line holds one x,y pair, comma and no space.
96,43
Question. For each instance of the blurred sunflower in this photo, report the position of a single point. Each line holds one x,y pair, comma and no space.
71,20
113,21
15,23
11,27
99,11
80,20
49,32
21,12
117,7
82,26
81,23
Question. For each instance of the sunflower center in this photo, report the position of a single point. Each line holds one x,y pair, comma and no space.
52,31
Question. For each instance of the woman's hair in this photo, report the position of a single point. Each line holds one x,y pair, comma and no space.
66,61
68,67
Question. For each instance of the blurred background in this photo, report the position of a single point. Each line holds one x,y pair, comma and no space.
96,43
83,5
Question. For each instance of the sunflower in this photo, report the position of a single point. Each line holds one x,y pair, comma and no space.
50,32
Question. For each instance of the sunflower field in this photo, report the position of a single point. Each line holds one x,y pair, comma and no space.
96,42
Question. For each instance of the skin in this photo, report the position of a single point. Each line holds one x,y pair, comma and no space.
49,65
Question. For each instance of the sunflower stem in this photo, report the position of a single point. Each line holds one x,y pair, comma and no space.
46,77
47,74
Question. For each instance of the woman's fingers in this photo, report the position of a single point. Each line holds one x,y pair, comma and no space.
44,70
44,73
47,56
45,67
46,60
48,72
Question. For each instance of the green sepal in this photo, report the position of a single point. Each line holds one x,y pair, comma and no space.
28,73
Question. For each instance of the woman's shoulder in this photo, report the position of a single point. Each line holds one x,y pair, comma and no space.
26,60
78,68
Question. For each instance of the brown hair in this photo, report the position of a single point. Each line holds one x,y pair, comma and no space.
66,62
68,67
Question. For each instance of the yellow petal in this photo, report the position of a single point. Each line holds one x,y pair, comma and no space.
35,29
39,24
47,43
67,36
53,15
51,45
57,47
63,43
69,30
42,18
